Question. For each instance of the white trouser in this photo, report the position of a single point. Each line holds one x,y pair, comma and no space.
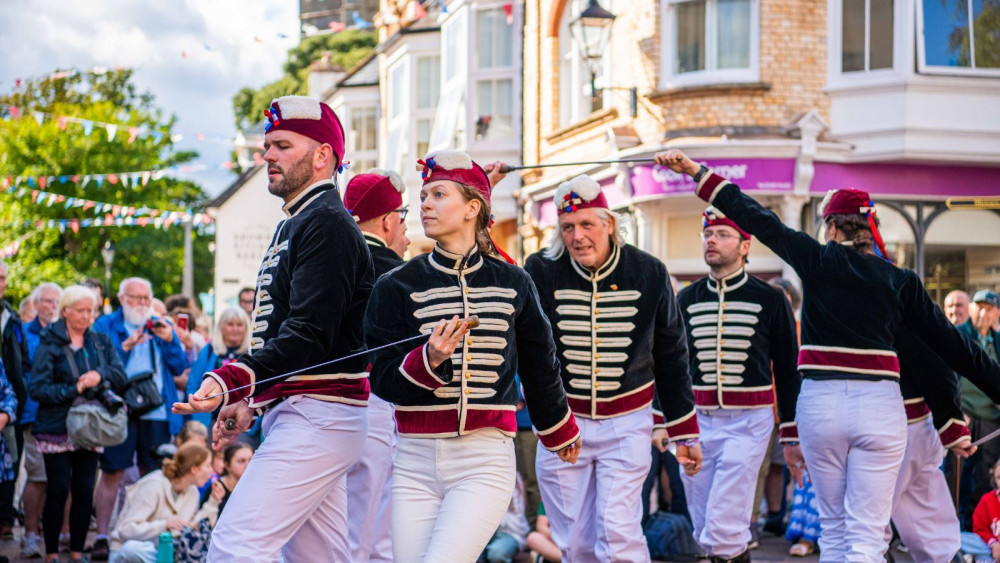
293,496
369,496
595,506
449,495
921,505
853,435
720,498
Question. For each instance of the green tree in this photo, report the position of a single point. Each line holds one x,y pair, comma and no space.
30,149
986,30
346,49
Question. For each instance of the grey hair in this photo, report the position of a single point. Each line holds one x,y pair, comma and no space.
74,294
126,281
37,293
231,314
557,246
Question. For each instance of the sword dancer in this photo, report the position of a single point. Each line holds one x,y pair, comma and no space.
620,340
455,399
739,330
312,288
850,413
375,200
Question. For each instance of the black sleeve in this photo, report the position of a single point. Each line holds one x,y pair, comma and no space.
784,347
326,267
43,387
399,374
670,362
924,373
963,356
538,368
536,270
801,251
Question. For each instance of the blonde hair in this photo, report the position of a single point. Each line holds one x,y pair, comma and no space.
73,295
188,456
231,314
190,430
557,246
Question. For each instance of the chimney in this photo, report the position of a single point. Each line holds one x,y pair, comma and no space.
323,75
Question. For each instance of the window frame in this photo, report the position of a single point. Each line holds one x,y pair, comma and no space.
709,76
924,68
477,74
574,75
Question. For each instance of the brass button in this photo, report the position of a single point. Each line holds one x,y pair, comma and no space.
596,297
723,317
722,330
724,305
468,376
597,372
468,358
469,341
722,354
597,384
721,342
597,356
467,391
596,342
596,313
597,327
466,291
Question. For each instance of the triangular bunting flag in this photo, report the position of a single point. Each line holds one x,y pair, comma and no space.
112,131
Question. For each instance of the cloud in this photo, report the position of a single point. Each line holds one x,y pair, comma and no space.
218,37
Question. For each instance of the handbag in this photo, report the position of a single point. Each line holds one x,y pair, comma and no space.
141,394
88,422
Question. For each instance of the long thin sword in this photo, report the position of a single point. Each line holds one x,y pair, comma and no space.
473,322
510,168
987,437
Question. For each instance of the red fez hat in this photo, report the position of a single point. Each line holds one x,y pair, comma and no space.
373,194
456,166
712,217
309,117
857,202
581,192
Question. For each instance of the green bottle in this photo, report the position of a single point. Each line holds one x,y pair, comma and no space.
165,549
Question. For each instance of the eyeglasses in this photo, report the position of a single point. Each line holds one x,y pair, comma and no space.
139,298
721,236
402,213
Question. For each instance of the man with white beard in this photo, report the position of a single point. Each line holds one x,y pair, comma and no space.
156,350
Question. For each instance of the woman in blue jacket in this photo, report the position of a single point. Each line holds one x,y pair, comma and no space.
231,338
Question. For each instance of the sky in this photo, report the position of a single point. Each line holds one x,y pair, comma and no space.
228,44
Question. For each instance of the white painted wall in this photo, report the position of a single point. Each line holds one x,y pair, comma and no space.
244,226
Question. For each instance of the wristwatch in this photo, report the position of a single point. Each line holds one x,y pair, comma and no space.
700,173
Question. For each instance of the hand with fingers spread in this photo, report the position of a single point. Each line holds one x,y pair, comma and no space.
689,456
242,415
198,402
137,337
795,462
447,335
571,452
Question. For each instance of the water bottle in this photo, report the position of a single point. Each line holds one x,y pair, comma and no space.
165,549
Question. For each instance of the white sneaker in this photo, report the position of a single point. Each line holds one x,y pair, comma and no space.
31,547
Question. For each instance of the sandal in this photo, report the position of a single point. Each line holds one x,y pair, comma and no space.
802,549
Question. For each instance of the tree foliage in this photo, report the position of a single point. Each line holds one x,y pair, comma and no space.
346,49
29,149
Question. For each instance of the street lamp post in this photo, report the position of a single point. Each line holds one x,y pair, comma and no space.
108,252
591,31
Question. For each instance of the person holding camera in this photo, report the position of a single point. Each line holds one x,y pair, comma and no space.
72,360
152,355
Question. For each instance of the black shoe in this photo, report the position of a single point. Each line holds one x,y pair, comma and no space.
774,526
100,550
741,558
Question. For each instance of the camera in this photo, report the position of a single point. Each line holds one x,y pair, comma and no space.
154,322
102,393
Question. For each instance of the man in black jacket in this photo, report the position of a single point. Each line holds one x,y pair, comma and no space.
14,353
375,200
312,290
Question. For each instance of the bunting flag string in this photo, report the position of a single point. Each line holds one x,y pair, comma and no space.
133,179
111,211
112,129
107,221
10,250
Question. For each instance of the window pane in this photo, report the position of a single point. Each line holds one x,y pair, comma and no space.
880,34
986,33
946,32
503,123
853,36
734,33
484,37
484,99
690,33
423,136
396,89
369,130
428,82
505,39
